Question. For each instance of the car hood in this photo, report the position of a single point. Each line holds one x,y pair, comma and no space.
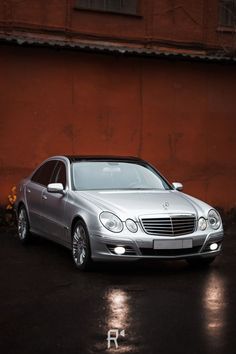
135,203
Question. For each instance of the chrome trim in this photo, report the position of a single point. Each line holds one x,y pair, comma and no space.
173,224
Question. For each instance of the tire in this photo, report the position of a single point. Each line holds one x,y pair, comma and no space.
200,262
23,226
81,251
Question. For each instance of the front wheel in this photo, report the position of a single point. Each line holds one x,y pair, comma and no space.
23,227
200,262
81,252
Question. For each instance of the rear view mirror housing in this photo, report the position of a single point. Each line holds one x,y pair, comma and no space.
55,188
177,186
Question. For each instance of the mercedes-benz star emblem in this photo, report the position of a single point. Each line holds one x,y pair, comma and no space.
165,205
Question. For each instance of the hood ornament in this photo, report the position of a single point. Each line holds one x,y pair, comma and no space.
165,205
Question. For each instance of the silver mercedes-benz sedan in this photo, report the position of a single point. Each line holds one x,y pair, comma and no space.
115,208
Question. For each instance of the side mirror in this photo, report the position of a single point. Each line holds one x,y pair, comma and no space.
55,188
178,186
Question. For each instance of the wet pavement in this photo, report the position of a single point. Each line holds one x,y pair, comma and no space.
47,306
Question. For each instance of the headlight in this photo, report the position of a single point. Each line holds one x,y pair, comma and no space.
131,225
214,219
202,224
111,222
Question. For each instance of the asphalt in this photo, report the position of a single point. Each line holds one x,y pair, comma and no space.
47,306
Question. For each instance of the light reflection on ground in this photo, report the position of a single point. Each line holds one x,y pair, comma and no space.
118,309
215,307
119,317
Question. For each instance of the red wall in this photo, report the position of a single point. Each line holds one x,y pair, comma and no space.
189,23
180,116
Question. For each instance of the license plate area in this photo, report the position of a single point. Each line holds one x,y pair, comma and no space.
172,244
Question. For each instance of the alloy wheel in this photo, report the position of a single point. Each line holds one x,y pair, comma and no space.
22,224
79,246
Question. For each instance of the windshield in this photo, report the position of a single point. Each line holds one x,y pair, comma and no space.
103,175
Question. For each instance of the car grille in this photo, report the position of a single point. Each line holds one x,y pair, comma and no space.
169,226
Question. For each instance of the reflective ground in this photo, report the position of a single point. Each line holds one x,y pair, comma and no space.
47,306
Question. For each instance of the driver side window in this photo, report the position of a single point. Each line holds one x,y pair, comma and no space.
59,175
43,174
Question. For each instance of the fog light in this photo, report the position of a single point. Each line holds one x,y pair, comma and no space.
213,246
119,250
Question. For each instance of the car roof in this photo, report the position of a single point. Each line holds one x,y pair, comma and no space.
74,158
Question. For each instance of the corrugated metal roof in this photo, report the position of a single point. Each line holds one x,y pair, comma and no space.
113,49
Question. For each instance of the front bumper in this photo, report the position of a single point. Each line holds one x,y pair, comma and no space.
141,246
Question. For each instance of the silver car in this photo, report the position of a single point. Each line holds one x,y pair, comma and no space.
115,208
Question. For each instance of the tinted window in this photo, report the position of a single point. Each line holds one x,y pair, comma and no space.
227,13
59,175
44,173
119,6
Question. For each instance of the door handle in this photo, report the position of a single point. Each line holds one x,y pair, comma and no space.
44,197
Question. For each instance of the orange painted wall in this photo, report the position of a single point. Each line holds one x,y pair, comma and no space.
180,116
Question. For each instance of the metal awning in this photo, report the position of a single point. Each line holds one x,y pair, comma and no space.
111,48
